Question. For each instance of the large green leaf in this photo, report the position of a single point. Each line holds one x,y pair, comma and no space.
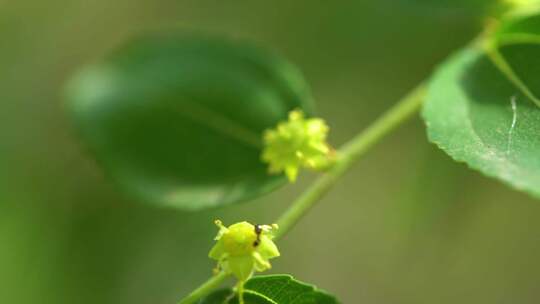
273,289
475,114
481,107
177,120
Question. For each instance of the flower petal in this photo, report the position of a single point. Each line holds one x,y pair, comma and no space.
241,266
267,248
217,251
261,264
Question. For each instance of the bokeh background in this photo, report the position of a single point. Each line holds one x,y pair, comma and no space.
406,225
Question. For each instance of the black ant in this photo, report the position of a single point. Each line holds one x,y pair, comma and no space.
258,231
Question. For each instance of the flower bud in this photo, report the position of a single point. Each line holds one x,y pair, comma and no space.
297,143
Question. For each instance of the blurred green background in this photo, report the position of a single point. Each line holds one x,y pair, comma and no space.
406,225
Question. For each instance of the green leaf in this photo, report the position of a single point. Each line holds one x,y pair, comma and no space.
478,116
482,106
273,289
177,120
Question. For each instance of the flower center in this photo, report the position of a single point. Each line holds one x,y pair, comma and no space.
239,239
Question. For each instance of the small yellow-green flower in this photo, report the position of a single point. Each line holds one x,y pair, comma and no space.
297,143
243,248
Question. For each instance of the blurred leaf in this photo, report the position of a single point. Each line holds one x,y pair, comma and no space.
177,120
476,115
273,289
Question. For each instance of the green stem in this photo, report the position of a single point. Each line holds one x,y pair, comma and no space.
347,155
240,291
206,288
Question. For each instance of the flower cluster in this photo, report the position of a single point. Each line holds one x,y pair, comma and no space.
297,143
243,248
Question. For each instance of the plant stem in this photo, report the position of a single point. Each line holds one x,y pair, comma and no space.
240,291
206,288
347,155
